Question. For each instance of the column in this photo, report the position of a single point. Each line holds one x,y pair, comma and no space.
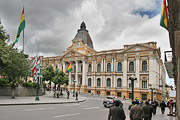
64,66
124,80
115,81
152,68
102,66
136,83
93,65
112,65
76,74
94,81
84,73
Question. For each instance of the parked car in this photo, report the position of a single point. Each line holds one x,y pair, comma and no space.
109,101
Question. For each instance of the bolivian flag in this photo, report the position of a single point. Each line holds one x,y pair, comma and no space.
21,27
164,16
69,68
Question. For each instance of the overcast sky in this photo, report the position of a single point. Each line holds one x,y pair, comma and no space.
52,24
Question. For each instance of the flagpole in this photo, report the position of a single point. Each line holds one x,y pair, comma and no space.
23,35
23,41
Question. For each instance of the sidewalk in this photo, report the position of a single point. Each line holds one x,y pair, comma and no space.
45,99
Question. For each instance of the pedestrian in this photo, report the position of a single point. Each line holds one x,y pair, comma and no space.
154,105
68,94
124,98
147,111
116,112
136,112
133,103
171,108
163,106
76,95
57,93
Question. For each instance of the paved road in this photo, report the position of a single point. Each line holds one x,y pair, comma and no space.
91,109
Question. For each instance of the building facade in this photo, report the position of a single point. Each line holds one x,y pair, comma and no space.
108,72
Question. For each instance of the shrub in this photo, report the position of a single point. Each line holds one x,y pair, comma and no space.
3,82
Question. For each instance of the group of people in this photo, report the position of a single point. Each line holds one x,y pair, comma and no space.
76,94
139,110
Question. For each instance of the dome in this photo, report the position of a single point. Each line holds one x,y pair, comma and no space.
83,34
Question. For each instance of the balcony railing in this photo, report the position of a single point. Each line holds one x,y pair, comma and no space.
131,71
144,71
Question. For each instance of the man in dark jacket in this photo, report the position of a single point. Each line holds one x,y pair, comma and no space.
136,112
116,112
163,106
147,111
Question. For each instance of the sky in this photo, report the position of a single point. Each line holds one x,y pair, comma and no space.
51,25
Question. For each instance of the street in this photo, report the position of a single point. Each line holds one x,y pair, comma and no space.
91,109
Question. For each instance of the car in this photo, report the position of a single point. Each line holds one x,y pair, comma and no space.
109,101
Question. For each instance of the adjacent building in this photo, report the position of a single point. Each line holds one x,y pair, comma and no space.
107,72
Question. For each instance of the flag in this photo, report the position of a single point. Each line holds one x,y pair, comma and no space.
69,68
164,16
36,65
21,27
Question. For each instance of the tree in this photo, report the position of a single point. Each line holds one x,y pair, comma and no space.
14,64
60,78
48,74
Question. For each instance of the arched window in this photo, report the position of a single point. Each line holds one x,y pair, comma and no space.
144,66
119,66
90,67
119,82
89,82
98,82
99,67
109,67
131,66
108,82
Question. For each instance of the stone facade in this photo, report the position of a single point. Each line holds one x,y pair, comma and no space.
107,72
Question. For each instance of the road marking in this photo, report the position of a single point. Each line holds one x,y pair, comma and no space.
83,106
39,109
67,115
72,105
91,108
105,110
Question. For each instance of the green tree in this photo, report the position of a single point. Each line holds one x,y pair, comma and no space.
14,63
60,78
48,74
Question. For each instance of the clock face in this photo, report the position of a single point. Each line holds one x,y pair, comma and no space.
76,44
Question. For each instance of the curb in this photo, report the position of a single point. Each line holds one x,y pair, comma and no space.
42,103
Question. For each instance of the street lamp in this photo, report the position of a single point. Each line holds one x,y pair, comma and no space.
152,92
132,78
74,88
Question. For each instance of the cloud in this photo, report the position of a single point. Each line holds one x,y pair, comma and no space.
51,25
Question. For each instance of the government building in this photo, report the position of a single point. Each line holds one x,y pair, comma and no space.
107,72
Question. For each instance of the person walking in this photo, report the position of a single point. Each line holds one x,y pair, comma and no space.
154,105
76,95
116,112
163,106
147,111
133,103
136,112
68,94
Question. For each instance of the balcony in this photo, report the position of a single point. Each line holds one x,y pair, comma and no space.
168,63
131,72
144,72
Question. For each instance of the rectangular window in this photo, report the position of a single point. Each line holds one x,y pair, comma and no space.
107,93
130,85
144,84
119,94
130,95
144,96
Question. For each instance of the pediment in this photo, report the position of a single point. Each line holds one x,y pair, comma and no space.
73,53
138,47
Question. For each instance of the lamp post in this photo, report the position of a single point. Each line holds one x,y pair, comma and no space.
152,92
132,78
74,88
